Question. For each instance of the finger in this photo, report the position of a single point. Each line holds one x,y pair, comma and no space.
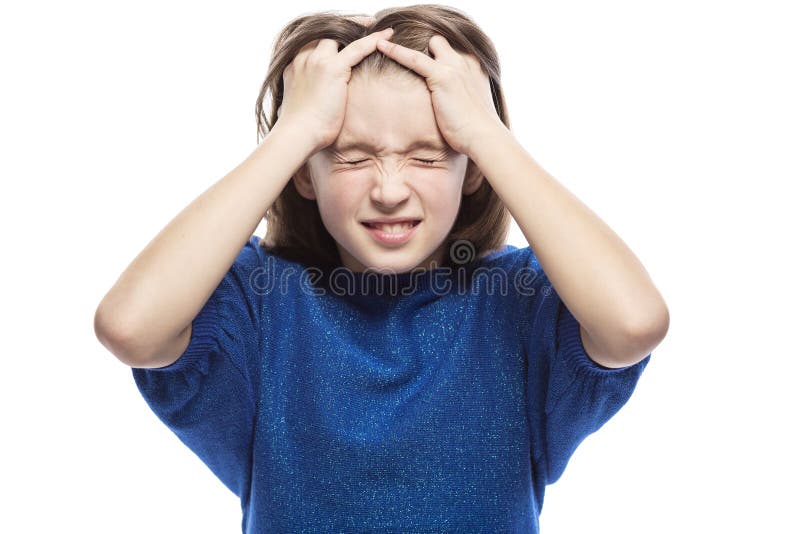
300,58
363,20
308,47
327,47
361,48
440,47
413,59
442,52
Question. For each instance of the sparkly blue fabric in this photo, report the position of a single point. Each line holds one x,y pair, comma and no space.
371,408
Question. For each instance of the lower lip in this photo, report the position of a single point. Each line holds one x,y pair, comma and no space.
387,238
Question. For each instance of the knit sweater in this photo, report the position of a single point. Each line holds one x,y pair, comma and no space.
331,400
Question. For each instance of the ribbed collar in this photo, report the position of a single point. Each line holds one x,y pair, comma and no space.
389,285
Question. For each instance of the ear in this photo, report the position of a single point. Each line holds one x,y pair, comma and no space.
473,178
302,183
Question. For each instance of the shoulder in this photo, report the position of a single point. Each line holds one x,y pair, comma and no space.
270,272
510,277
256,257
510,256
519,264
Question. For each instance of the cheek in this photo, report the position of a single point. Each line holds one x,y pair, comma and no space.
336,201
443,192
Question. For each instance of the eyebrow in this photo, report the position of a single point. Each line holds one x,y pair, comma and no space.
346,145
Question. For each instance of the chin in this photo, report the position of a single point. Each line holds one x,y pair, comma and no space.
392,267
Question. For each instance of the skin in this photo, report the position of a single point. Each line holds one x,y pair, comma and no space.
390,113
622,315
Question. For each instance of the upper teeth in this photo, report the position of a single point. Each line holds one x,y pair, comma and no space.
393,228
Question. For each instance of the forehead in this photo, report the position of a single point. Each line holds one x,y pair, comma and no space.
388,114
345,143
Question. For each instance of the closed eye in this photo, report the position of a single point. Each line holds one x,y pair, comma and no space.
425,161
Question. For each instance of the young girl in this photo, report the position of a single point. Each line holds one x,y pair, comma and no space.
381,360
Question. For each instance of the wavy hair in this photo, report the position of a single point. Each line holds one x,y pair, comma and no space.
295,230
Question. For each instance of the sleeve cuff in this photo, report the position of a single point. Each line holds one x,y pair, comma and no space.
205,333
569,336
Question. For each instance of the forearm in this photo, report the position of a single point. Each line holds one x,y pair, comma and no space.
167,284
597,276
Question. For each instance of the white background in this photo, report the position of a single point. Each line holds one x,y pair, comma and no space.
677,122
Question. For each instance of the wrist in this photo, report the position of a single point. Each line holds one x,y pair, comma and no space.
296,136
492,133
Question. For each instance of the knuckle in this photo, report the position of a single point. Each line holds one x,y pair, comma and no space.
449,71
364,21
315,60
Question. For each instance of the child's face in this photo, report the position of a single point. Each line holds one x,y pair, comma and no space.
390,181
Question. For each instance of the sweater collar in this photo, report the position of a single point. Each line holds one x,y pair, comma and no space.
435,283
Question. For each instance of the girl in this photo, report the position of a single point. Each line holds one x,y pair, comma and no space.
381,360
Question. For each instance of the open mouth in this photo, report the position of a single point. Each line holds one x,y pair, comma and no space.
393,227
394,234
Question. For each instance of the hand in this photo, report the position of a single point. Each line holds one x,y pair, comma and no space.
460,90
315,85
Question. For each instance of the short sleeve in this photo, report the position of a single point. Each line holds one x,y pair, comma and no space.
570,396
206,396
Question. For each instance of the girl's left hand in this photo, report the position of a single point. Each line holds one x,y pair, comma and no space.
460,90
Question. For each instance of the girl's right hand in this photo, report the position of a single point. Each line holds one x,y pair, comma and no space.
315,85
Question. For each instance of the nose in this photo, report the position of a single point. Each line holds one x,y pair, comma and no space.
390,188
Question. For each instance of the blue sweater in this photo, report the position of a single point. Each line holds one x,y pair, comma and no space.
341,401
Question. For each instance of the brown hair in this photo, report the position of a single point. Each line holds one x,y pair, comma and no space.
294,226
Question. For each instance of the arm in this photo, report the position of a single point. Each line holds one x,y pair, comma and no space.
622,316
145,318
